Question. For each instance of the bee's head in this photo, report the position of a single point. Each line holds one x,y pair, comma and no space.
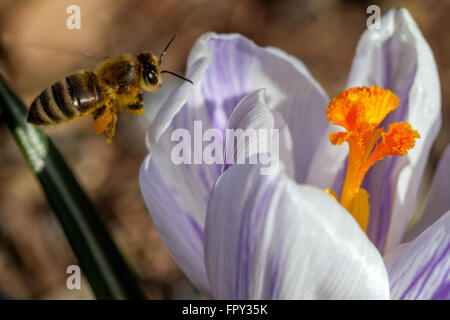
151,73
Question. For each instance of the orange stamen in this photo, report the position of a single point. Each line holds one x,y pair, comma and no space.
360,111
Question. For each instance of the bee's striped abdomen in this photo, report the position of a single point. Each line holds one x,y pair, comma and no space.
75,96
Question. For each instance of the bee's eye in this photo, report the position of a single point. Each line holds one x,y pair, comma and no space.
151,76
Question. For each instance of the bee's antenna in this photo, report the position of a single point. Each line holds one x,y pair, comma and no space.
177,75
165,49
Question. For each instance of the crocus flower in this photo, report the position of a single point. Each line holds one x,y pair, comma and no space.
238,234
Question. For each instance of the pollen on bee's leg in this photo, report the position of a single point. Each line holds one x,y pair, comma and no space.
102,121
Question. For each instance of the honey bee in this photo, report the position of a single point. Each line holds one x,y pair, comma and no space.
115,85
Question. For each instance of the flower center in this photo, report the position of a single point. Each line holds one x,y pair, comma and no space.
360,111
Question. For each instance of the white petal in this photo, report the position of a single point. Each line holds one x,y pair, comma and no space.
268,238
329,163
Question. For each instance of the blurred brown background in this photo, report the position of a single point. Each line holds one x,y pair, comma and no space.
36,49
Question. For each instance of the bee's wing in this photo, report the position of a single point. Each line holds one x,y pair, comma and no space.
96,57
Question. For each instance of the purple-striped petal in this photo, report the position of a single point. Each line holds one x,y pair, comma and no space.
438,200
172,107
396,57
224,68
176,195
251,113
268,238
421,269
236,67
409,70
258,135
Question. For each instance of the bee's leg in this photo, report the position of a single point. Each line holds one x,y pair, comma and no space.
111,129
137,107
102,117
105,120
